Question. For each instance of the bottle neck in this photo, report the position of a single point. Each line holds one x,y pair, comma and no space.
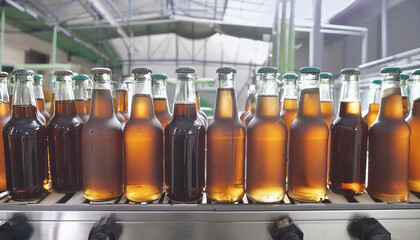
24,94
350,91
374,94
267,99
185,90
122,100
415,96
102,101
309,101
404,88
38,91
4,95
81,91
290,90
63,90
391,101
159,89
142,99
143,87
226,106
325,92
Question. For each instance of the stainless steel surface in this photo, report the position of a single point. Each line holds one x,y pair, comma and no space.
70,216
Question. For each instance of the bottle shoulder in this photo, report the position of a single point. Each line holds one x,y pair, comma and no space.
101,124
185,126
65,121
23,125
390,126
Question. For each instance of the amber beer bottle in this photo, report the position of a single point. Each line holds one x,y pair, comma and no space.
290,99
250,100
185,143
128,84
81,96
143,138
25,143
226,144
251,112
389,144
11,90
349,134
4,118
374,100
280,89
102,149
64,132
266,145
414,121
118,115
404,94
122,103
39,96
307,175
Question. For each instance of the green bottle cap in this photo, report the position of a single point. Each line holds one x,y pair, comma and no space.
62,72
141,70
416,72
376,81
391,70
226,70
268,70
38,77
185,70
309,70
290,76
23,72
351,71
325,75
100,70
81,77
404,76
159,76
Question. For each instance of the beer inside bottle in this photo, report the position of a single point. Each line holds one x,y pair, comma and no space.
102,149
374,100
307,175
81,96
389,140
349,134
404,94
266,145
4,118
414,121
290,99
226,144
64,133
185,143
39,96
25,144
118,115
143,138
122,103
250,99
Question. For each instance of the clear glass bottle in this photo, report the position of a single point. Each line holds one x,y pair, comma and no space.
4,118
349,133
185,143
374,98
307,174
251,112
122,103
201,115
128,84
81,96
25,143
280,89
102,149
251,99
389,144
290,99
414,121
266,144
11,90
39,96
226,144
404,94
64,132
143,138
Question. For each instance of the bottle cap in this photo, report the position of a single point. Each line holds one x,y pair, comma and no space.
309,70
101,70
81,77
23,72
290,76
141,70
4,74
159,76
351,71
391,70
62,72
416,72
325,75
376,81
185,70
268,70
226,70
38,77
404,76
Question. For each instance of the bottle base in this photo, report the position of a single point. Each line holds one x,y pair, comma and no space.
142,193
176,199
392,198
348,189
100,196
302,197
264,196
27,197
414,186
226,197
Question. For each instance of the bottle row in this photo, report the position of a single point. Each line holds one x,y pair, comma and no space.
292,140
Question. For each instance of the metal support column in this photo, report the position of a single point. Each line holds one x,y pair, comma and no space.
316,44
283,38
53,54
291,50
384,31
275,35
3,20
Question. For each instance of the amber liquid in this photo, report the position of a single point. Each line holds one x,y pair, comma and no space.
65,147
10,101
266,153
102,150
122,103
327,112
52,110
307,175
289,111
389,140
40,102
226,151
82,109
247,107
349,134
414,122
184,154
4,118
405,107
143,152
371,116
25,150
250,114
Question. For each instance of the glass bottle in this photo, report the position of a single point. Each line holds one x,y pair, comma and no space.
267,144
25,143
374,100
251,112
64,132
81,96
404,94
128,84
118,115
143,138
201,115
414,121
4,118
307,174
349,133
185,143
102,143
280,89
122,103
39,96
290,99
250,100
389,144
226,144
52,109
11,90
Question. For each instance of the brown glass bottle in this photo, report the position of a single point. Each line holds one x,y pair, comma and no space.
266,145
201,115
64,133
374,100
414,121
143,149
118,115
307,175
389,140
290,99
404,94
250,98
250,114
226,144
4,118
122,103
25,144
39,96
185,143
52,110
102,148
349,134
81,96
